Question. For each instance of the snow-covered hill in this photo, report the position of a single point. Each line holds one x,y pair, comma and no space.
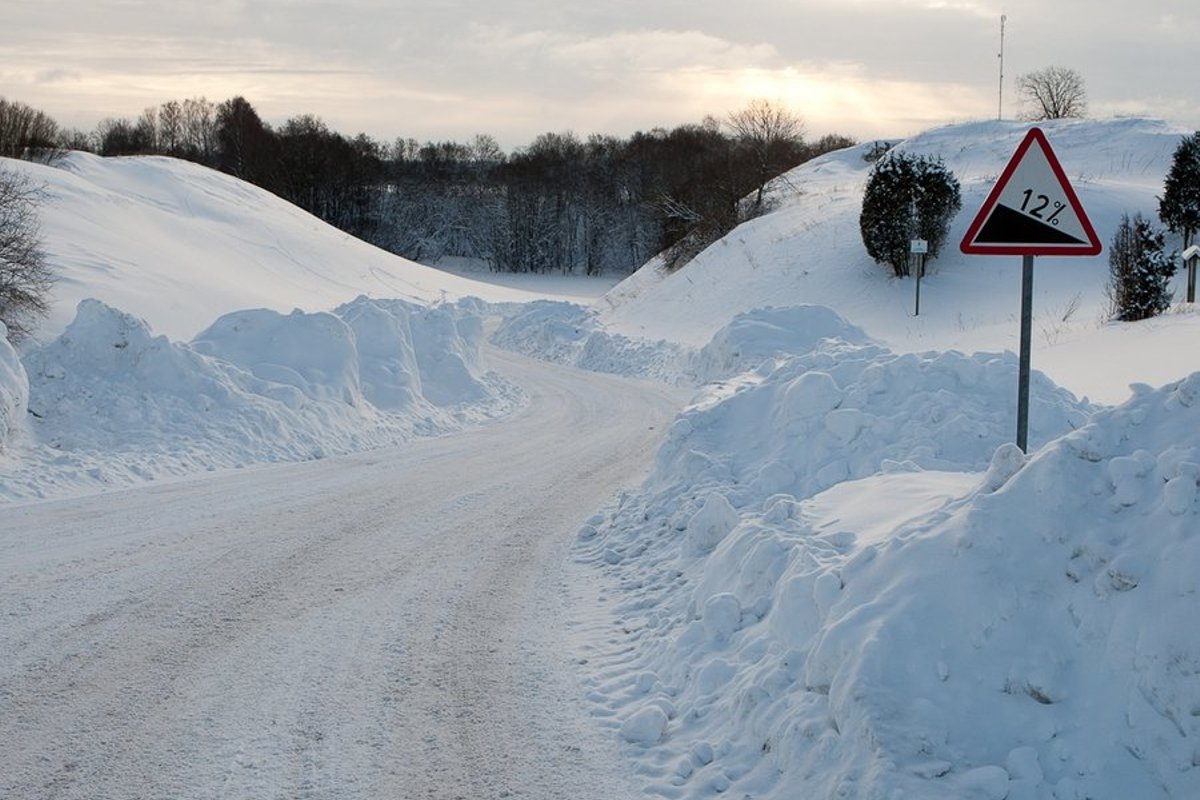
810,251
177,245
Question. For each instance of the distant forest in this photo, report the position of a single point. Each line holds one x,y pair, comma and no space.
562,204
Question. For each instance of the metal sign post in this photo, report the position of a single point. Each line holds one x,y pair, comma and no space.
1023,369
918,248
1031,211
1190,257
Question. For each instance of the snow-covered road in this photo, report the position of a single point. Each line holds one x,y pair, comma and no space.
388,625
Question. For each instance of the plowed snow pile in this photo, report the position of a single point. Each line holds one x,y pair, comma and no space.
112,404
840,581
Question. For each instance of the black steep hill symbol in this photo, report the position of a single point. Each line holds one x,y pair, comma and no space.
1007,226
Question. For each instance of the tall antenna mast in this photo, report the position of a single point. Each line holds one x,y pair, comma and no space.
1000,102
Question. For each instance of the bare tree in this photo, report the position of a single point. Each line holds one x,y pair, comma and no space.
25,278
199,129
170,127
26,132
774,138
1053,93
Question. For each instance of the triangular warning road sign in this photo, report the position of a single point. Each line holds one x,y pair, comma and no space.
1032,210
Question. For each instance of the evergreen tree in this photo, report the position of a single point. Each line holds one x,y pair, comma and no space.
907,197
1139,271
1179,207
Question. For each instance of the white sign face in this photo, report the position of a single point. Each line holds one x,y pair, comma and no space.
1032,209
1033,192
918,247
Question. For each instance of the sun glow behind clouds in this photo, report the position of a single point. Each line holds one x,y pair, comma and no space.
836,98
634,79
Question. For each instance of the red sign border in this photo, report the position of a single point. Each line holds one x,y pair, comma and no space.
970,247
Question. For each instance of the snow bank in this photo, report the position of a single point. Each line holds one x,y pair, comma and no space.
388,371
14,391
847,411
1033,638
114,404
841,580
315,354
565,333
446,347
755,336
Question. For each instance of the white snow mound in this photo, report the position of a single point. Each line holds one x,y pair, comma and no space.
14,391
847,411
755,336
314,353
565,333
112,404
844,581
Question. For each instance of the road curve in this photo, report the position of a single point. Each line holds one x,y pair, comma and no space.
387,625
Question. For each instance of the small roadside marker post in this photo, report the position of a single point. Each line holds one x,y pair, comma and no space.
918,248
1190,257
1031,211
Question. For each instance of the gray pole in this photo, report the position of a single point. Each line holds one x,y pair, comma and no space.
920,259
1026,347
1191,286
1000,102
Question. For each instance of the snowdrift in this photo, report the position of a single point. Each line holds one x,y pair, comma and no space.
110,403
566,333
840,581
14,391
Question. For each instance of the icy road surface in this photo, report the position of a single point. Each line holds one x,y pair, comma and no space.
389,625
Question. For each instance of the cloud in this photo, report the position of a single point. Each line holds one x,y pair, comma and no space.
642,51
516,68
57,75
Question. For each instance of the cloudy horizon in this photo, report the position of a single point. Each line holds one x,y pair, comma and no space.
514,68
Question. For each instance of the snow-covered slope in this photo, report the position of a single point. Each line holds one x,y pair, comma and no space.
177,245
810,251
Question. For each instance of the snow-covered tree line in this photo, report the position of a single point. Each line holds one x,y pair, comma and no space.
563,203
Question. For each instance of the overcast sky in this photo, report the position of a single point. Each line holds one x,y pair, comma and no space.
516,68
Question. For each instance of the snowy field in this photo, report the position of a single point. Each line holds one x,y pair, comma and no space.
839,578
